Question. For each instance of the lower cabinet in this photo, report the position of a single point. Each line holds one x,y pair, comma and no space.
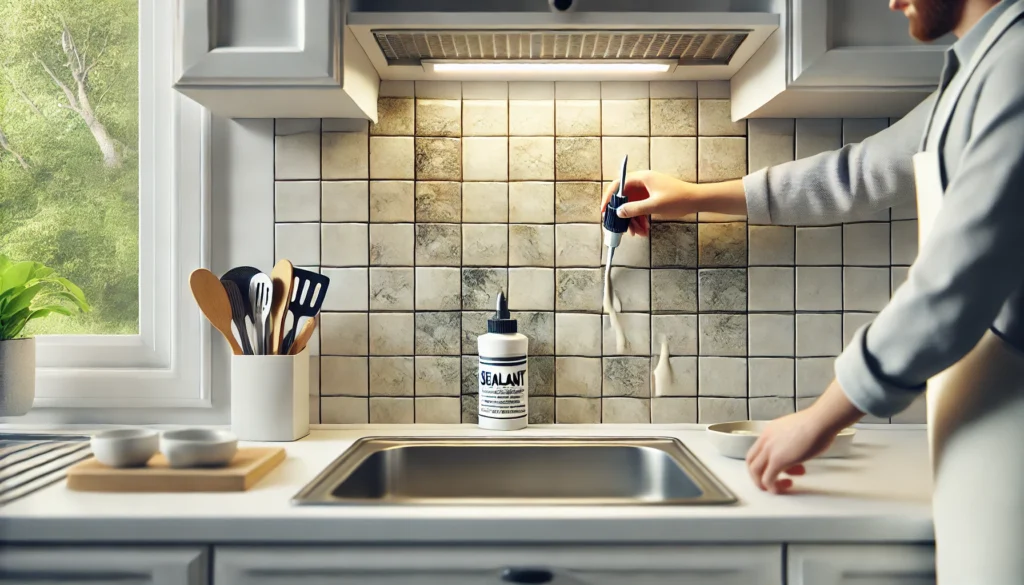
103,565
499,565
883,564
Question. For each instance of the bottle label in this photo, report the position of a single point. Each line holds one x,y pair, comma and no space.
503,388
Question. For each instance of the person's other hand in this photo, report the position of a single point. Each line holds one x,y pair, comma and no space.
650,192
784,445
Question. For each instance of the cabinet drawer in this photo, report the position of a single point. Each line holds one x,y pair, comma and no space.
869,564
102,565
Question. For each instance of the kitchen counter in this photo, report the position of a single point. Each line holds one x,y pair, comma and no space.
881,493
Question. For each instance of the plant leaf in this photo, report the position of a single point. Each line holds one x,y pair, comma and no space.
13,326
21,301
78,303
42,272
16,275
5,263
77,292
60,309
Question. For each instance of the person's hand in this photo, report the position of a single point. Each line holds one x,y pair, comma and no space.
650,192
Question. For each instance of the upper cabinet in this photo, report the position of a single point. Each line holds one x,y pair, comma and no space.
272,58
829,58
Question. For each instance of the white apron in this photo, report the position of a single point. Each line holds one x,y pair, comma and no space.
975,417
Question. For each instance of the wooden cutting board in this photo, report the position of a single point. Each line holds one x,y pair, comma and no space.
249,466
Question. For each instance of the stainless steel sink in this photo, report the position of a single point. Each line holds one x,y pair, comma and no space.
534,471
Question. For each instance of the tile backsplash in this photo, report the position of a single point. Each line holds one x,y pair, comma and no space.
461,190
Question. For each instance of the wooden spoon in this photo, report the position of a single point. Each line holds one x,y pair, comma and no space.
282,278
303,337
213,301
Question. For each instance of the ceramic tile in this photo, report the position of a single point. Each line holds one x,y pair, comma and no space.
578,159
438,410
344,125
480,287
344,201
625,90
819,334
314,410
531,158
469,409
532,202
865,289
438,202
674,244
613,148
578,244
577,334
297,156
485,117
438,159
813,375
817,135
898,275
714,118
858,129
387,411
438,244
633,287
485,90
819,288
541,410
297,201
625,410
349,289
636,329
289,126
673,89
771,289
722,244
578,289
297,242
344,334
392,244
344,155
866,244
344,376
674,290
770,335
819,246
679,332
392,201
343,410
625,117
716,410
578,376
541,376
722,289
485,202
391,289
681,379
626,376
722,376
485,245
578,202
531,245
770,408
713,89
721,159
395,117
770,142
673,117
531,90
438,289
676,157
673,411
531,117
852,322
539,327
905,208
916,413
485,159
633,251
343,244
474,324
438,333
470,373
391,333
577,90
772,377
578,117
770,245
904,242
531,289
570,411
439,118
723,335
439,90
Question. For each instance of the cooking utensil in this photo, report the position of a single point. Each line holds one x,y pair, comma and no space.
242,276
238,313
308,293
213,301
303,337
261,295
282,277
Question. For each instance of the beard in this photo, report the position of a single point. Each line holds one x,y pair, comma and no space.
933,19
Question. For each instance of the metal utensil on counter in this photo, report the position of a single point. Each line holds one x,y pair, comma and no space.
282,278
238,313
309,290
261,295
213,301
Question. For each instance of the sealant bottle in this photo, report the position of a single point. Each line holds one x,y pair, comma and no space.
502,375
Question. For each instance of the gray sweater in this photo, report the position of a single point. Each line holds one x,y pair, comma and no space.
969,278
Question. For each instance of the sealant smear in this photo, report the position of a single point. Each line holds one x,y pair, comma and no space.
661,381
612,306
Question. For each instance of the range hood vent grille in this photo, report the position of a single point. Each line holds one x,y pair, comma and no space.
410,47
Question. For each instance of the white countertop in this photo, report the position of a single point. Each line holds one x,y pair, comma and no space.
881,493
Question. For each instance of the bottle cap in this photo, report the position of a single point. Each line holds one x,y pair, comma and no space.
502,321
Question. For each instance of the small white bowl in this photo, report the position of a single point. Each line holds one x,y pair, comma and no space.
124,447
198,447
734,439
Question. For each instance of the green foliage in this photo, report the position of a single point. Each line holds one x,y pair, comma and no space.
68,209
21,283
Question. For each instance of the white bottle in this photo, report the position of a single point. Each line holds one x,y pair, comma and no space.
502,374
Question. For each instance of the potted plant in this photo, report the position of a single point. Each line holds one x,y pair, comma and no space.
28,291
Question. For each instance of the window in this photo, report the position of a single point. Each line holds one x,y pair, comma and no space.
103,178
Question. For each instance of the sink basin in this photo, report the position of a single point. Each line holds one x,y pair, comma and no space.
500,471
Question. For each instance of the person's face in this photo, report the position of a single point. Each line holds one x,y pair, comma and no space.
930,19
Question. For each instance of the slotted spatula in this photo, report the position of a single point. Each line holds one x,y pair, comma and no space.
308,293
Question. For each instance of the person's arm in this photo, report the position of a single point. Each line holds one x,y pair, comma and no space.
972,261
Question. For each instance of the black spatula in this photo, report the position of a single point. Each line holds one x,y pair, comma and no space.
308,294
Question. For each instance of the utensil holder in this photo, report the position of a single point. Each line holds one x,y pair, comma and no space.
270,397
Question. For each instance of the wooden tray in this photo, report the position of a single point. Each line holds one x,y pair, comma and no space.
248,467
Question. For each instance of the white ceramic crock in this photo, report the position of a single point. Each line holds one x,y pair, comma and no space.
17,376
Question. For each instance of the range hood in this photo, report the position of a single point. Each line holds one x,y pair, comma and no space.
559,39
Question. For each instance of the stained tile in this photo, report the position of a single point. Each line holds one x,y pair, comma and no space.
678,331
578,244
297,201
674,290
344,155
438,159
438,244
531,245
344,334
436,410
485,202
480,287
541,376
485,245
723,335
866,244
343,410
578,202
485,159
636,330
541,410
817,135
391,333
392,244
387,411
674,411
813,375
344,201
343,244
438,202
722,376
394,117
470,374
772,377
485,90
297,242
539,327
578,376
633,251
578,159
770,335
852,322
531,158
722,244
469,409
391,289
578,117
531,90
722,289
613,148
716,410
532,202
904,242
344,376
438,289
625,410
578,289
531,289
819,246
819,288
349,289
485,117
714,118
391,157
673,117
438,333
438,118
674,244
627,376
865,289
770,245
474,324
297,156
625,117
577,334
771,289
770,408
392,201
676,157
681,379
571,411
819,334
531,117
721,159
770,142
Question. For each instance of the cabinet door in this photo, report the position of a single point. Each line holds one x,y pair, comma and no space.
56,565
861,564
498,565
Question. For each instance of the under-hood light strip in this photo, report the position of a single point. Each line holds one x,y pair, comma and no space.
569,67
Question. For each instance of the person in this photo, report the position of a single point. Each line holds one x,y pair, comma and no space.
955,328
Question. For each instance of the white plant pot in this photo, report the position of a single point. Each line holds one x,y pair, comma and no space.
17,376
